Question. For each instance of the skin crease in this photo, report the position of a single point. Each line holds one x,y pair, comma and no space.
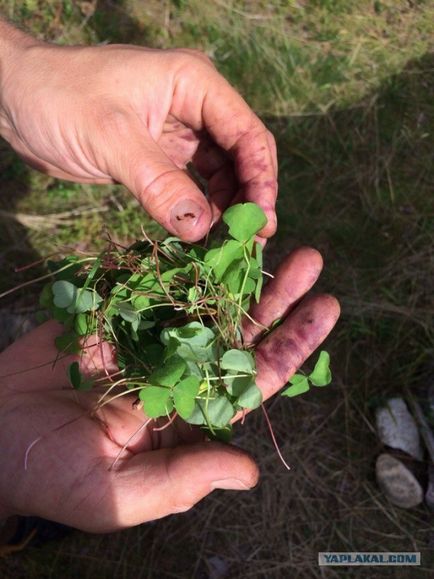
68,476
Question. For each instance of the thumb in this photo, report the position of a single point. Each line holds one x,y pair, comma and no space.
159,483
166,192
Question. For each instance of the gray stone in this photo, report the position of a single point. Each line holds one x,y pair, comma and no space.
15,324
397,482
397,428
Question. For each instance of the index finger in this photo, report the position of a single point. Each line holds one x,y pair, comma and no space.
236,129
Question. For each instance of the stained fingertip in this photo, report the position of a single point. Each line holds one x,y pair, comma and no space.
271,227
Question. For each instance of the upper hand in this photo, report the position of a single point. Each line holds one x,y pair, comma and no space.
67,478
137,116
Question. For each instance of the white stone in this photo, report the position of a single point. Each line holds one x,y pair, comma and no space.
397,428
397,482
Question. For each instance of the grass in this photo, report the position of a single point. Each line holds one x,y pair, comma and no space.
347,88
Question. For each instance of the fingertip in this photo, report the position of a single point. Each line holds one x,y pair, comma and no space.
191,219
331,305
271,226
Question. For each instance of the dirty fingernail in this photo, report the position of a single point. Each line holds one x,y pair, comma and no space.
233,484
185,216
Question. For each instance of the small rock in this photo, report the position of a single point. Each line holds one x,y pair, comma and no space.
218,567
397,482
429,495
15,324
397,428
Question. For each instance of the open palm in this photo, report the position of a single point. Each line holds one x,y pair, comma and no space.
57,454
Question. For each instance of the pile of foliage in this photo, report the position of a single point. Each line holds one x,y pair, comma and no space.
173,313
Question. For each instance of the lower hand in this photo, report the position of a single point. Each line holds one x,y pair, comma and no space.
67,476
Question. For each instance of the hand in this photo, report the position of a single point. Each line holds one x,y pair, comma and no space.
67,478
137,116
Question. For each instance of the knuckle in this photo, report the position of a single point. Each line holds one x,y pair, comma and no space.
196,54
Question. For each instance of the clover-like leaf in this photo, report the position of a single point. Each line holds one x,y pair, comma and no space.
219,412
128,312
251,397
321,374
220,258
184,394
299,385
64,293
156,401
169,373
76,378
194,341
244,220
216,412
238,360
86,301
84,324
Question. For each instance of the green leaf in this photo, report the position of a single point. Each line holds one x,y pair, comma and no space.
238,360
169,373
184,394
127,312
64,293
74,374
76,378
236,385
46,297
321,374
259,255
258,289
234,276
251,397
220,434
156,401
85,301
197,417
84,324
244,220
140,302
195,341
152,354
217,413
220,258
300,385
67,343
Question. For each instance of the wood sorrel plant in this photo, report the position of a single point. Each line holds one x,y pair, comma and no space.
173,313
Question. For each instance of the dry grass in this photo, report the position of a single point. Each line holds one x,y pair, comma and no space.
349,95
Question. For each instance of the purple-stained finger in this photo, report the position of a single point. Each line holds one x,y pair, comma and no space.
281,353
294,277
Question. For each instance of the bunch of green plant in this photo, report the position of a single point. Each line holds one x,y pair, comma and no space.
173,312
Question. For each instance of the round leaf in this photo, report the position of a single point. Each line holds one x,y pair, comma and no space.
238,360
184,394
300,385
169,373
156,401
244,220
64,293
321,375
251,397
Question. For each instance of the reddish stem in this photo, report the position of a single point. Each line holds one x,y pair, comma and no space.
273,438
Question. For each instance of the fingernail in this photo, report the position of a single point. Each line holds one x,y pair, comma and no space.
185,216
232,484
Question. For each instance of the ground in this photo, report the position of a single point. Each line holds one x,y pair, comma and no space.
348,89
